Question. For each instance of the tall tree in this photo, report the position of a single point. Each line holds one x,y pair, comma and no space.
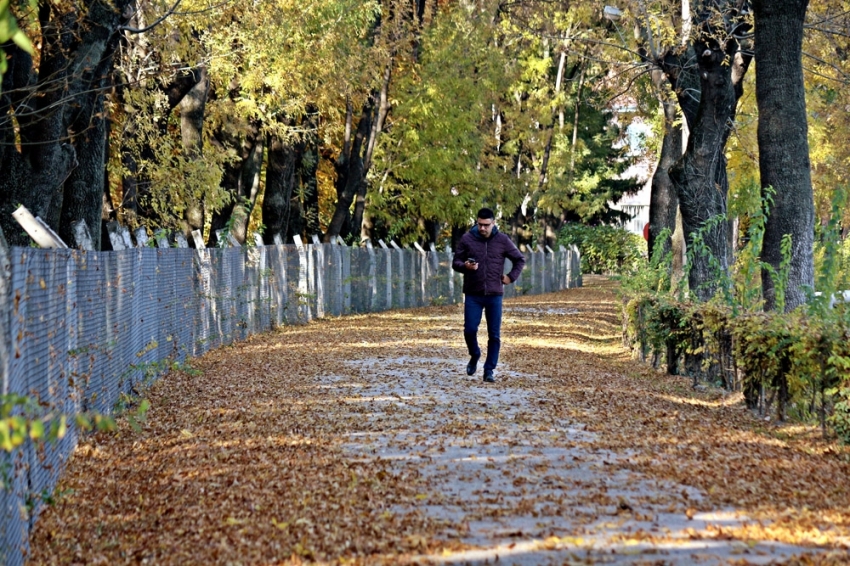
783,145
52,132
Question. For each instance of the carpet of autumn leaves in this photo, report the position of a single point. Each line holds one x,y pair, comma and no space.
266,453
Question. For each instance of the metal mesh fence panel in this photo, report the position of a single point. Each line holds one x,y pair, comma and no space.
87,329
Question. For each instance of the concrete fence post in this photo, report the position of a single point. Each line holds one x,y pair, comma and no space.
115,236
389,294
141,235
373,276
82,236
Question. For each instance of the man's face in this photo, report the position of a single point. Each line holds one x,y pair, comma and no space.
485,226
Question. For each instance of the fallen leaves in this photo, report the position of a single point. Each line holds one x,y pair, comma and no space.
341,442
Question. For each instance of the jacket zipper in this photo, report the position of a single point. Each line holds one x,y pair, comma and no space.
486,263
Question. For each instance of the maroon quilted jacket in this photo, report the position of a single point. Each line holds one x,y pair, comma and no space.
490,254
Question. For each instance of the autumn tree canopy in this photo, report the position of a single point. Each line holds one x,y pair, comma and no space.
390,119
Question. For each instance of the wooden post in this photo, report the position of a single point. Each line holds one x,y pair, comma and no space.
198,238
373,276
125,236
303,280
207,303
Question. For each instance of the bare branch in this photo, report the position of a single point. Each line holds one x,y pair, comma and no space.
153,25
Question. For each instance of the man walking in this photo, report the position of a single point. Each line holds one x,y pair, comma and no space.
480,256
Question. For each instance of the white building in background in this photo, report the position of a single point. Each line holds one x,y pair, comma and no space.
637,205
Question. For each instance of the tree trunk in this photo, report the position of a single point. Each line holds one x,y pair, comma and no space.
783,145
351,172
55,116
309,193
241,178
281,174
192,110
700,176
663,202
377,127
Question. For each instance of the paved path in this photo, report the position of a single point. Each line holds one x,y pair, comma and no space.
361,440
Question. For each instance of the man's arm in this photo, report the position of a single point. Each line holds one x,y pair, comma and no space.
461,255
517,259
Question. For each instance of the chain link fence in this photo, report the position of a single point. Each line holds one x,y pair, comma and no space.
85,331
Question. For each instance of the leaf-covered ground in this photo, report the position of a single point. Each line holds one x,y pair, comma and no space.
362,440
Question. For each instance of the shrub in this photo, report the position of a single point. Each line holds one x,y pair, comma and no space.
604,249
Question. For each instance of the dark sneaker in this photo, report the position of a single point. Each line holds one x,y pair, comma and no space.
488,376
472,366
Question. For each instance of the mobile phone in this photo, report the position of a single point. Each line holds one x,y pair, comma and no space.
472,260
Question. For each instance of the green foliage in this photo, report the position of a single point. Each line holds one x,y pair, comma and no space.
652,277
438,160
831,254
797,362
21,418
9,31
605,249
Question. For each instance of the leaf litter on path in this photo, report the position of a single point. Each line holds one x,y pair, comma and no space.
361,440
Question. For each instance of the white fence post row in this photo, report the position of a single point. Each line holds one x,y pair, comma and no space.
402,288
373,276
305,313
206,307
319,272
5,312
389,296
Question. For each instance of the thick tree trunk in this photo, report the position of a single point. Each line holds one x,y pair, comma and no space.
55,116
783,145
192,110
84,189
241,179
351,173
700,176
663,202
281,177
309,182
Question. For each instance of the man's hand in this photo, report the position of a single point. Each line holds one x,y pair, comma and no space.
506,280
471,265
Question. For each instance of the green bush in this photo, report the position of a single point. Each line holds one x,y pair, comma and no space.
604,249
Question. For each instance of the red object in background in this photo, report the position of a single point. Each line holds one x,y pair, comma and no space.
646,232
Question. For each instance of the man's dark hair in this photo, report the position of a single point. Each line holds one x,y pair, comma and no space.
486,214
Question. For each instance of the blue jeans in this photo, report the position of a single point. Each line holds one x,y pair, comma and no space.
491,306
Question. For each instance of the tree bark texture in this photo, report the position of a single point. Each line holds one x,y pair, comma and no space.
57,110
700,176
241,178
192,110
663,202
351,174
783,144
284,160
